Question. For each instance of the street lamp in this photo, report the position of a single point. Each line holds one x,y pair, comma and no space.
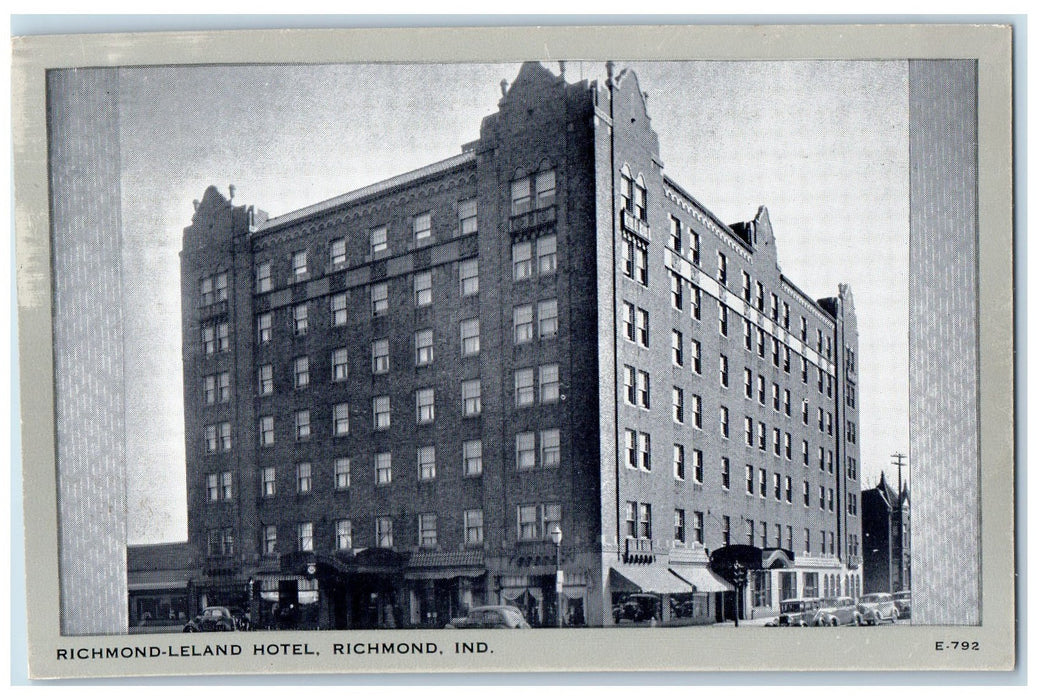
556,537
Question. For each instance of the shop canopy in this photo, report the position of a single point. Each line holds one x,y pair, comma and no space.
628,578
703,579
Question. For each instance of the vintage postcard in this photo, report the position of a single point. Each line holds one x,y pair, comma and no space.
499,349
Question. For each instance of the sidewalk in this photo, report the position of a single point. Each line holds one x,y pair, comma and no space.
759,622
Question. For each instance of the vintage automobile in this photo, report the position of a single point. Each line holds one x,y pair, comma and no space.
796,612
212,619
637,607
903,600
833,612
490,617
875,608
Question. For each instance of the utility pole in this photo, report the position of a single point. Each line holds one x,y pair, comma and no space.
898,460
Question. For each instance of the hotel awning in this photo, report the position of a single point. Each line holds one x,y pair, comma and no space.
624,578
445,565
705,580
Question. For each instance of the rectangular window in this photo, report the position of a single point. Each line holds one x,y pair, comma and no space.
427,529
630,387
299,265
337,253
762,436
425,406
677,292
697,356
381,412
697,466
807,494
645,451
643,389
675,234
223,385
421,226
423,289
631,520
524,394
471,400
223,337
722,318
642,327
726,530
545,189
338,309
550,448
470,337
627,321
301,372
548,318
749,533
724,371
379,300
679,462
722,269
427,462
679,525
761,393
302,423
521,200
525,452
697,527
697,412
678,411
265,380
522,265
645,520
269,483
760,342
380,356
225,437
473,527
303,478
264,281
548,381
762,482
384,532
677,348
383,468
760,297
472,457
266,431
211,444
746,291
641,264
522,324
343,534
726,473
468,272
547,255
209,389
631,446
341,419
423,347
379,240
749,431
467,221
263,326
697,302
527,522
342,473
212,487
340,365
777,484
270,539
725,430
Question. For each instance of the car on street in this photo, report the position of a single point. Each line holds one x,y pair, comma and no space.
212,619
490,617
875,608
833,612
796,612
903,600
637,607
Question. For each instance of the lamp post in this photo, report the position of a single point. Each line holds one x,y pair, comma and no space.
556,537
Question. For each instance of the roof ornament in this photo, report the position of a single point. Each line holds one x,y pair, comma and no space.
562,69
504,87
230,188
609,73
195,202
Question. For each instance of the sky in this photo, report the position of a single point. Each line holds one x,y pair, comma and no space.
823,144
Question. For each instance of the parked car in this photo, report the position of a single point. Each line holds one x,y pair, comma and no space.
833,612
877,607
903,601
490,617
797,612
636,607
212,619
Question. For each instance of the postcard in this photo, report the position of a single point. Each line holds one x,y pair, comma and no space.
497,349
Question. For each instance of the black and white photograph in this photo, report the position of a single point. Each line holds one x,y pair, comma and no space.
357,362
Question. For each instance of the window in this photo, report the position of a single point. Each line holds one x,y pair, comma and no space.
523,388
468,272
221,542
724,371
831,502
264,281
642,327
821,497
697,527
522,324
679,462
631,520
341,419
471,404
212,487
697,412
722,318
527,522
550,449
425,406
749,532
807,494
264,380
760,297
776,438
726,530
423,347
379,240
645,520
787,445
427,462
270,539
423,289
645,451
473,520
209,389
677,296
677,345
551,517
635,260
548,318
675,234
342,473
548,380
427,529
678,405
525,452
303,478
421,225
383,468
697,466
726,474
747,334
725,431
269,482
470,336
627,320
762,436
379,300
631,445
302,422
774,308
384,532
522,266
761,394
632,194
749,431
467,221
340,365
545,189
697,356
472,457
301,372
547,255
643,389
263,326
787,403
776,403
762,482
343,534
381,412
380,356
697,302
746,285
266,431
760,342
521,200
812,577
337,253
777,484
299,265
338,309
679,525
722,269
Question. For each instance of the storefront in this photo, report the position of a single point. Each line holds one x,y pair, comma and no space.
444,585
649,594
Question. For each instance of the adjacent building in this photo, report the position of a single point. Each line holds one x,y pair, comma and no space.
396,396
886,538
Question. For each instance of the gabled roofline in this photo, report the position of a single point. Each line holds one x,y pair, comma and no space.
369,191
713,217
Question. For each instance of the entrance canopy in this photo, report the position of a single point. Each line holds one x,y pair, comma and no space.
626,578
777,559
704,580
445,565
